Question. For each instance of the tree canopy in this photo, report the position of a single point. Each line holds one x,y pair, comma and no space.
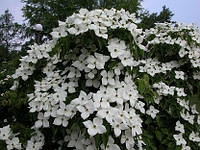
49,12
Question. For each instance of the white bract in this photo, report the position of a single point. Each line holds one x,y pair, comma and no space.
179,127
152,112
95,127
110,145
179,139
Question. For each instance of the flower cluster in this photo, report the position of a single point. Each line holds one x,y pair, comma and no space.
163,34
36,142
96,87
11,140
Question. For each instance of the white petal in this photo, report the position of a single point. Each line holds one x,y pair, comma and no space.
111,81
88,83
88,124
97,121
117,132
105,104
71,143
104,81
91,75
101,113
65,122
91,66
92,131
114,147
60,112
101,129
85,115
45,123
57,121
71,75
38,124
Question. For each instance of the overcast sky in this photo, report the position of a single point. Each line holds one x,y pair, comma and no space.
186,11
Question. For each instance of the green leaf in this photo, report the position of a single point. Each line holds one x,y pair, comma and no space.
97,139
159,135
54,130
172,146
165,131
195,99
105,139
112,63
3,145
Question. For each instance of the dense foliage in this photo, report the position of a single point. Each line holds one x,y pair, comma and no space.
104,83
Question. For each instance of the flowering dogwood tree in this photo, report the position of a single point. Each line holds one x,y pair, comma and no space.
104,83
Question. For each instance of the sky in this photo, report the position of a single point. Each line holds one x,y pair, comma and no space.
14,7
185,11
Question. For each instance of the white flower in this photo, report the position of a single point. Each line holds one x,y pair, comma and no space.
66,110
180,92
98,61
5,132
140,106
61,120
186,116
194,110
194,137
198,120
15,85
95,127
152,112
116,47
118,126
182,52
107,78
131,95
76,139
72,30
136,130
179,139
179,127
179,75
184,147
86,110
80,64
52,111
100,100
92,73
82,99
59,32
33,145
13,143
110,145
128,139
101,60
116,96
95,83
107,113
42,121
73,73
101,32
183,103
117,69
91,60
126,58
70,86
